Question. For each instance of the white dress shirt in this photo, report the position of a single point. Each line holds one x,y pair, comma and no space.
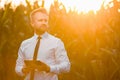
51,52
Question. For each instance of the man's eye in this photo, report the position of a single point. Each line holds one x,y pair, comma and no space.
45,20
40,20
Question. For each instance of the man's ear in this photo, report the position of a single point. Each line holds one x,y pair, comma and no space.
32,24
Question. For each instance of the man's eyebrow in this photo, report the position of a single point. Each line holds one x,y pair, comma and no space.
42,19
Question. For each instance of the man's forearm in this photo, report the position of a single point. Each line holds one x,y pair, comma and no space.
59,68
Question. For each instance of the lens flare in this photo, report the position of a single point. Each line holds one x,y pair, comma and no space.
84,5
74,5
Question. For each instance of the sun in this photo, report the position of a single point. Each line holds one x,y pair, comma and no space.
84,5
74,5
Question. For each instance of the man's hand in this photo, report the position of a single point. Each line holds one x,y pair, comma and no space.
30,65
26,70
42,66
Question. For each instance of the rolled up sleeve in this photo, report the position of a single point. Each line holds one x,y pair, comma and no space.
19,63
62,60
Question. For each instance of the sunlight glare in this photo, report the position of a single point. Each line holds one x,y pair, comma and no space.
15,3
48,3
2,3
83,5
74,5
119,10
107,3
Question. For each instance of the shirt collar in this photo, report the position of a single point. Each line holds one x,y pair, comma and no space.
44,35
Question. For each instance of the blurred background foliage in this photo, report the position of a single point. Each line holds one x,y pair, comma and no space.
92,40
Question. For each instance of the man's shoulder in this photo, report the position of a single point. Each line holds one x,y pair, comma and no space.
53,37
26,41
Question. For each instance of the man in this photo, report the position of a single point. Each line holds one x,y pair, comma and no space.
51,58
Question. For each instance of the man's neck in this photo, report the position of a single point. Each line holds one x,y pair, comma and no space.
39,33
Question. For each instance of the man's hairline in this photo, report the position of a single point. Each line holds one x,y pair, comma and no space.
36,11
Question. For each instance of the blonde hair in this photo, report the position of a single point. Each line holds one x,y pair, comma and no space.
42,10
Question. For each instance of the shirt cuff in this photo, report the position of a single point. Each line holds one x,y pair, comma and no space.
54,69
19,71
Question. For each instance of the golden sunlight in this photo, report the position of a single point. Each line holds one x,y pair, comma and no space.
84,5
74,5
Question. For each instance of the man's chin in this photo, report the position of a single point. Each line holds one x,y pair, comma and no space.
40,31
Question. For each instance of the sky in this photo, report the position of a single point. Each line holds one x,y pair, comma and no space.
79,5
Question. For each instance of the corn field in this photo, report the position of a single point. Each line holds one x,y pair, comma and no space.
92,40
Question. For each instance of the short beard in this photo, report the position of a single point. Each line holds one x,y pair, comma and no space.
39,31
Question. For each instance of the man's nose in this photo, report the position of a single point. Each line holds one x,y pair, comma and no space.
44,21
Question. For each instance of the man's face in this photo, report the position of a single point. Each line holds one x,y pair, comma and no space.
40,22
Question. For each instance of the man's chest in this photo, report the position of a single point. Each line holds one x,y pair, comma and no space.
46,51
